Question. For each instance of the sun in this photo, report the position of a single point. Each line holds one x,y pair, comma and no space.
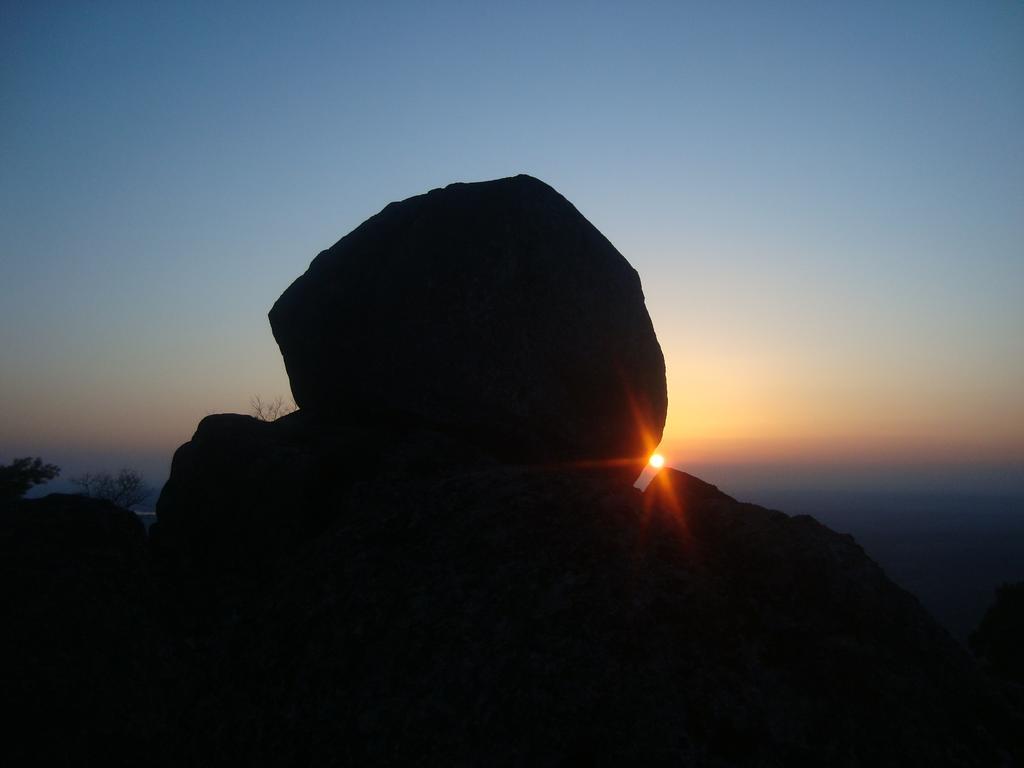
657,461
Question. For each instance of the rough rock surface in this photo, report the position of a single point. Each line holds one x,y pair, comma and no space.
464,613
244,493
524,617
492,310
999,638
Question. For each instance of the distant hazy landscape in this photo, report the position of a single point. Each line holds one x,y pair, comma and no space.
950,551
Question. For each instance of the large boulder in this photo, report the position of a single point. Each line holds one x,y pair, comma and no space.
370,580
492,310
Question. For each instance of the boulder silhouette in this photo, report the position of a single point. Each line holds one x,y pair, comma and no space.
494,311
421,565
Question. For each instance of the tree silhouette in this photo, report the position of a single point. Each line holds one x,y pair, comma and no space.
126,489
21,474
272,410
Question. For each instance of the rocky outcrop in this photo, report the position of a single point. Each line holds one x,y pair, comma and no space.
999,639
244,494
241,491
494,311
472,612
521,617
434,562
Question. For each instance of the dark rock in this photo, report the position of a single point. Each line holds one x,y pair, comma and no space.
240,492
494,311
83,677
999,638
244,493
522,617
368,581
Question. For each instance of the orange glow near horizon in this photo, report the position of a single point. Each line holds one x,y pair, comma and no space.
770,403
657,461
732,401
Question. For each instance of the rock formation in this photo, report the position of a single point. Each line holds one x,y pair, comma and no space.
492,310
999,638
421,565
519,617
245,493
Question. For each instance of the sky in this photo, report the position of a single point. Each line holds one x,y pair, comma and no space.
825,203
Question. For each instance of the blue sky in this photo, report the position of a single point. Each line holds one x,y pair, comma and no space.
825,202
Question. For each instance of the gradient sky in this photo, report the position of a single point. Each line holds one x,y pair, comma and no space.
825,202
